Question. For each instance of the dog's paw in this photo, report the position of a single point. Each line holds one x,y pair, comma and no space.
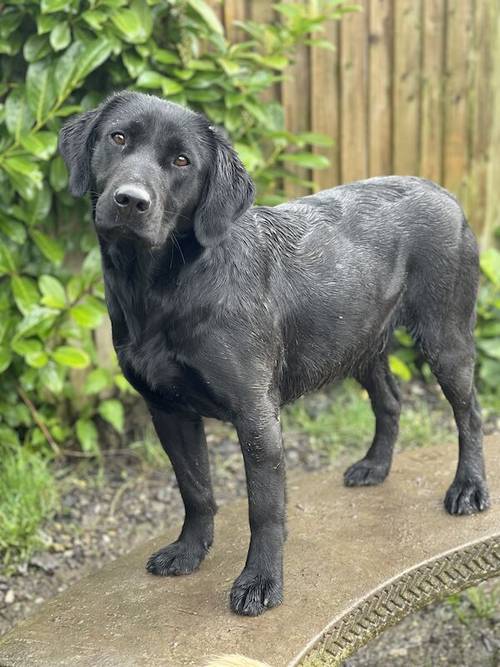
175,559
252,593
365,473
467,496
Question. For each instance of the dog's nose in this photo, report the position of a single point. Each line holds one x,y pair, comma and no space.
132,197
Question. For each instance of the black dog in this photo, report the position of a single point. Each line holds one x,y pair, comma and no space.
229,311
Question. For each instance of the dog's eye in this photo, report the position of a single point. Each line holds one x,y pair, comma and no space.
118,138
181,161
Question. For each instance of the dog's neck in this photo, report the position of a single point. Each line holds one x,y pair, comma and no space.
137,278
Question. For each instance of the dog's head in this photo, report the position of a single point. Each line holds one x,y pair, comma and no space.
152,168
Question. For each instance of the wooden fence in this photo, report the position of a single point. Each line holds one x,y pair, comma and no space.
413,87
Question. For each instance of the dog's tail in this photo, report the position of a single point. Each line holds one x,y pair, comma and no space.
234,660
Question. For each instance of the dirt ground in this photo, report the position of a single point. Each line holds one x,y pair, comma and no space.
105,514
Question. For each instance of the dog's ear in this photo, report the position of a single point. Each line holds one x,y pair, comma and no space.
76,140
227,193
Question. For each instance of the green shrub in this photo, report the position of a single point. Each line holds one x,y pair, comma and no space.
57,58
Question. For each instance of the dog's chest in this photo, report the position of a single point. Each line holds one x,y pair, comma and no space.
162,375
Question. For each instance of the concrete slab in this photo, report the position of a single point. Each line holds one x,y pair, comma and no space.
357,560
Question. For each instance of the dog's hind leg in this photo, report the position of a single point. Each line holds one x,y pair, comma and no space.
454,370
443,323
386,403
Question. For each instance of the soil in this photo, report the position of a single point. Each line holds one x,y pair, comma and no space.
106,512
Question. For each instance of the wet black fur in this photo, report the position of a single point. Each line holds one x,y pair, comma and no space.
225,310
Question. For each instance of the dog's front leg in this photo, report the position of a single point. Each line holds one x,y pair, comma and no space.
183,438
260,585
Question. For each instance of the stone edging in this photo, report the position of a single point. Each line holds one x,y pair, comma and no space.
431,581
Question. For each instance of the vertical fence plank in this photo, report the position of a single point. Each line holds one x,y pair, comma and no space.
380,87
406,99
325,106
456,139
295,98
492,217
431,124
234,10
354,94
481,111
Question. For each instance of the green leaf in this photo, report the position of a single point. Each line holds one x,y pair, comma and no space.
45,23
49,247
26,187
58,174
24,346
96,381
37,359
7,263
52,377
36,47
112,411
150,79
399,368
60,36
251,156
31,323
86,433
93,54
165,57
89,313
276,61
91,267
95,18
307,160
24,166
491,347
230,67
73,357
10,22
316,139
135,24
5,359
207,14
12,229
74,288
489,372
123,384
210,95
38,208
78,61
25,293
41,91
42,144
18,116
134,64
490,265
53,292
49,6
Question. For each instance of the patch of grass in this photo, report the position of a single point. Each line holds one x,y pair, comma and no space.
474,603
28,496
149,450
342,418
